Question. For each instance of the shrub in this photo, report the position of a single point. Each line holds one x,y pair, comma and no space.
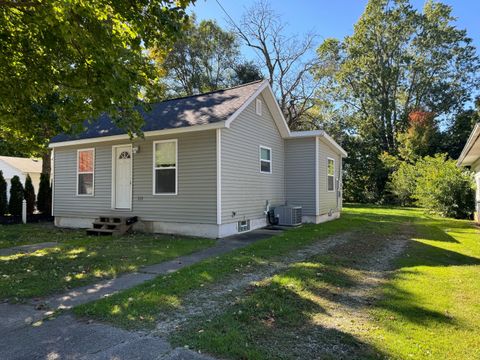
436,184
444,188
3,195
44,199
29,195
403,183
16,196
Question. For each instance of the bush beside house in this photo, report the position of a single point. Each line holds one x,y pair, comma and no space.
29,195
16,196
3,195
44,198
437,184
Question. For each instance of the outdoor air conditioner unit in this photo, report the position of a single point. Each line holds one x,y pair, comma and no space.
288,215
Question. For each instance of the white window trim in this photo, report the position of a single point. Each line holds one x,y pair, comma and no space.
165,168
93,172
269,161
334,173
258,107
114,179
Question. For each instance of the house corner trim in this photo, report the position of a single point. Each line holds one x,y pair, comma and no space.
219,175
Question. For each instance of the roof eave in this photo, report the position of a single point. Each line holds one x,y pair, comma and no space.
475,134
318,133
193,128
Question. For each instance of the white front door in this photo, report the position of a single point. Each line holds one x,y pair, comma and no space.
123,177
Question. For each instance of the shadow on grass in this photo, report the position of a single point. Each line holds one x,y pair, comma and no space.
275,322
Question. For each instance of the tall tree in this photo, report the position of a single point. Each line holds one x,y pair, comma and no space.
202,60
398,59
458,132
75,59
288,60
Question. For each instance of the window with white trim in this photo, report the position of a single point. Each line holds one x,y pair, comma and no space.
165,167
330,174
265,160
258,107
85,171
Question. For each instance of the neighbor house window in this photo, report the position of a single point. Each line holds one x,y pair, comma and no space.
330,174
258,107
165,167
85,171
265,160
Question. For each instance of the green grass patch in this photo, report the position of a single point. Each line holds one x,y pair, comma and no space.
79,259
23,234
429,307
140,306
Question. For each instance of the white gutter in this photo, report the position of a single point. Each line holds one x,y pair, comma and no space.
472,139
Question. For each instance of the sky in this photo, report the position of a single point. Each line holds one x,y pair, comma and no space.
330,18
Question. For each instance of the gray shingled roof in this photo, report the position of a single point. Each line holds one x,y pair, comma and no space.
175,113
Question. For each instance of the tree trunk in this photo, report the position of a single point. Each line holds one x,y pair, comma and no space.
46,165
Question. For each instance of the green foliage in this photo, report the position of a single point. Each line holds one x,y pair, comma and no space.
422,137
404,182
397,60
3,194
66,61
16,196
247,72
458,132
436,184
44,199
204,59
29,194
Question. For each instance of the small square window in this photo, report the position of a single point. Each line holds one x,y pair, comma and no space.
243,225
258,107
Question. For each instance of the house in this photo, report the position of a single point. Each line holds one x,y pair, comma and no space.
208,165
470,156
21,167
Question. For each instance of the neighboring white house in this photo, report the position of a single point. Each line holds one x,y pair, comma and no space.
21,167
208,165
470,156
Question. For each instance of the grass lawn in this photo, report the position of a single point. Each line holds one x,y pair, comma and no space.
79,259
425,307
428,308
165,293
22,234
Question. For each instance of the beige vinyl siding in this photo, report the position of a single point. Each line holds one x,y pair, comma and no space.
327,199
194,203
300,173
244,188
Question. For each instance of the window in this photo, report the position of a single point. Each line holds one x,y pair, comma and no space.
243,225
265,160
258,107
165,167
330,174
85,171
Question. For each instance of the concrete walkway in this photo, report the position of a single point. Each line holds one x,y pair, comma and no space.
26,334
26,249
